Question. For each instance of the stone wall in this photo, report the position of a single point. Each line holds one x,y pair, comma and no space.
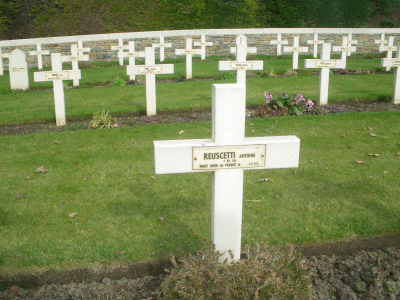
101,49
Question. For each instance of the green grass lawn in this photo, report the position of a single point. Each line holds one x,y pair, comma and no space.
126,213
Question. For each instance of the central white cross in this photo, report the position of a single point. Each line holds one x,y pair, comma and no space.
295,49
189,52
226,155
74,58
57,75
279,44
162,45
345,48
39,52
150,69
315,42
203,45
241,65
131,54
325,63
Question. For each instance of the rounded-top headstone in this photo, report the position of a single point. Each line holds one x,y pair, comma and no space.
18,70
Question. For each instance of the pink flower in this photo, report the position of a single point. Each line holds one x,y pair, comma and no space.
267,96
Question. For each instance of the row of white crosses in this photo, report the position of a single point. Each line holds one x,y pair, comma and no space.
394,62
226,155
389,48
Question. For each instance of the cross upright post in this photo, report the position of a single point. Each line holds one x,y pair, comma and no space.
325,63
74,58
39,52
315,42
3,55
345,48
389,48
150,69
131,54
162,45
240,65
57,75
203,45
382,42
279,42
189,52
226,155
394,62
120,49
350,43
295,50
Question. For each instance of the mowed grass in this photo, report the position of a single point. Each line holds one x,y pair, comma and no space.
126,213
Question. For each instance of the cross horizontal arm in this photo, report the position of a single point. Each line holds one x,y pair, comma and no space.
176,156
156,69
53,75
235,65
188,51
65,58
319,64
130,54
390,62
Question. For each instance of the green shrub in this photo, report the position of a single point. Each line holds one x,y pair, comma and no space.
263,273
103,120
227,75
118,82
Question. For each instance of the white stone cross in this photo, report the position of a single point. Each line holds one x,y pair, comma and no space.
39,52
132,55
203,45
74,58
240,65
389,48
394,62
150,69
3,55
189,52
226,155
162,45
325,63
382,42
345,48
279,44
315,42
18,68
82,49
350,42
57,75
295,50
120,49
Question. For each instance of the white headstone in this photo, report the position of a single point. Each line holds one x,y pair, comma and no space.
226,155
74,58
279,44
389,48
203,44
382,42
131,54
315,42
150,69
57,75
240,65
162,45
18,67
295,50
120,49
350,42
344,49
3,55
394,62
39,52
325,63
189,52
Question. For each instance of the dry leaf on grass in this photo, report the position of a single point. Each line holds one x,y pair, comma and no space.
57,142
72,215
152,177
372,134
41,170
266,179
376,155
360,161
182,131
398,153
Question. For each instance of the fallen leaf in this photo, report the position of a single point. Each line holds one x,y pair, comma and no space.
72,215
251,124
28,177
57,142
255,201
374,154
161,218
398,153
152,177
141,172
329,146
41,170
266,179
252,131
182,131
385,172
372,134
360,161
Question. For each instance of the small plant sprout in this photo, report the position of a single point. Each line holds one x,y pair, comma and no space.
103,120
